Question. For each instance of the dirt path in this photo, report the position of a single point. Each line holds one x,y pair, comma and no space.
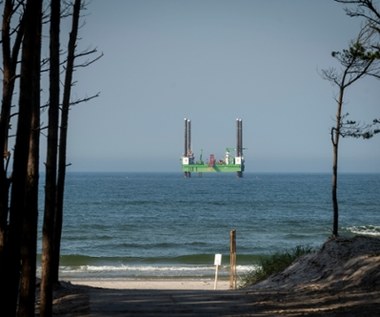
86,301
110,302
165,303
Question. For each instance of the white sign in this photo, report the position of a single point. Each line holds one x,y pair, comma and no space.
218,259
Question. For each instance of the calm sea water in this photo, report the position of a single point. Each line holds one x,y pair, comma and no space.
163,225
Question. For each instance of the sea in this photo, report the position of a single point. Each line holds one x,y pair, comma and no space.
162,225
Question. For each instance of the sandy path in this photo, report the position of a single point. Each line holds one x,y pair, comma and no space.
165,303
87,301
116,302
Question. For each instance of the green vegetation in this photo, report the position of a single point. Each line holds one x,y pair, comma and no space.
275,263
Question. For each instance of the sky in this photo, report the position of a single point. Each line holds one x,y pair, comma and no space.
213,61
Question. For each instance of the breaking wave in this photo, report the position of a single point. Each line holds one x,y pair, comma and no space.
369,230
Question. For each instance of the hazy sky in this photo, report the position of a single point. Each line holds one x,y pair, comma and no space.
213,61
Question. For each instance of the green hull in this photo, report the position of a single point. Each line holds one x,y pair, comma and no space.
204,168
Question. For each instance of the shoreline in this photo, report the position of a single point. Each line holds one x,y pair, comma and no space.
153,284
341,279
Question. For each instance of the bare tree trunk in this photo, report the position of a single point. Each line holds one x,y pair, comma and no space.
4,125
63,136
10,56
26,306
335,134
47,281
335,188
29,237
21,194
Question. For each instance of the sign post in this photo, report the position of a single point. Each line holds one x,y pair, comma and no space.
233,279
217,263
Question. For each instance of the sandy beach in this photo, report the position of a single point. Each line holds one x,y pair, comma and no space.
154,284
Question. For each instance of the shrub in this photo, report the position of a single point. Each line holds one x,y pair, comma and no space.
273,264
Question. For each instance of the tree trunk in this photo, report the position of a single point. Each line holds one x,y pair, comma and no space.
335,188
47,281
4,125
29,237
21,213
335,134
10,56
63,136
26,306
